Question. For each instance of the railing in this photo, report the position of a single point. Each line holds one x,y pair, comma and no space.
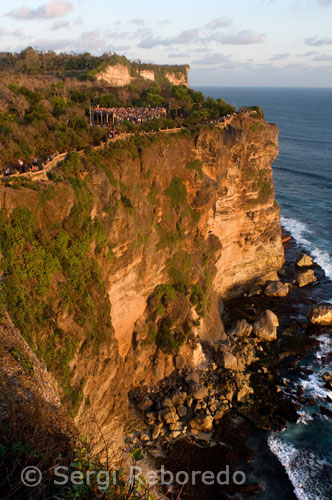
42,174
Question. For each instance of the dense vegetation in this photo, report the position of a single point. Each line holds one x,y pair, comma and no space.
60,258
44,109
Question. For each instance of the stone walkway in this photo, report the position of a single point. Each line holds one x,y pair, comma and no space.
42,174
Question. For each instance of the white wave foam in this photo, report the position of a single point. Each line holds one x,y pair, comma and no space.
314,385
305,470
299,231
304,417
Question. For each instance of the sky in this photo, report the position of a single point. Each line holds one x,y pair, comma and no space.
226,42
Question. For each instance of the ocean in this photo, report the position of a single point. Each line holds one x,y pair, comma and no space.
303,185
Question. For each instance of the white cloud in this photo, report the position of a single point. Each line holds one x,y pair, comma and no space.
324,3
58,25
50,10
220,22
184,37
313,41
212,59
322,57
139,22
244,37
280,57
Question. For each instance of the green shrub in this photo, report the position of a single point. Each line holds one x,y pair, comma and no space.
196,165
177,192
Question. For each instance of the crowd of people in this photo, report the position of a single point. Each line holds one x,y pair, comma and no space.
22,167
133,115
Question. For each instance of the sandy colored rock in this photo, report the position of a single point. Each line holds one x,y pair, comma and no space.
202,423
276,289
304,260
304,278
199,392
241,329
265,326
321,314
229,361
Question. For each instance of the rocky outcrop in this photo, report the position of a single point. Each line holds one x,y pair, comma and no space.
120,75
304,260
277,289
304,278
265,327
321,314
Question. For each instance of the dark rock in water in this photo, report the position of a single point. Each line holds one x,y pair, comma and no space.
325,411
288,410
327,377
328,385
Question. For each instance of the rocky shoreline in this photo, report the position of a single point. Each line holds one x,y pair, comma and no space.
243,388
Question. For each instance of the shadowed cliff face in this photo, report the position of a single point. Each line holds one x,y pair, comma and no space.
195,214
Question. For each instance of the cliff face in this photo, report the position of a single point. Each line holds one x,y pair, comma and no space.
182,221
119,75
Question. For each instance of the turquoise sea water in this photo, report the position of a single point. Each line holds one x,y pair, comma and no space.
303,184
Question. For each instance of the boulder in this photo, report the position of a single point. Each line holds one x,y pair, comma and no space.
145,404
167,403
321,314
179,398
241,329
145,436
220,413
229,361
168,416
327,377
182,411
304,278
265,326
199,392
156,432
325,411
202,423
276,289
303,260
179,362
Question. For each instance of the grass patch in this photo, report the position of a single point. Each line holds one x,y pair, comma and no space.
197,166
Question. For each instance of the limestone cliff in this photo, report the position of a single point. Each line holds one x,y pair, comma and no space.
119,75
134,247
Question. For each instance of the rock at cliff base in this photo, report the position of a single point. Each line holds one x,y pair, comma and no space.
179,398
327,377
229,361
169,416
304,260
145,404
277,289
199,392
179,362
241,329
321,314
304,278
202,423
265,326
325,411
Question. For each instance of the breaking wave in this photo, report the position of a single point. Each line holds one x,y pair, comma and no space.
300,233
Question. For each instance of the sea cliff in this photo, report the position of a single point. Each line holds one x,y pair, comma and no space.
114,270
